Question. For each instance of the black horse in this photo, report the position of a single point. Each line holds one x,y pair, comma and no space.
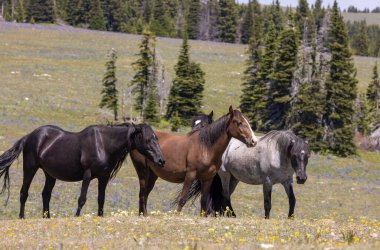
201,120
95,152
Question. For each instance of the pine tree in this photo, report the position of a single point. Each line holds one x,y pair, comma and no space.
109,91
318,13
227,21
20,14
71,11
160,21
281,80
151,110
360,40
143,66
96,16
253,95
247,23
302,14
362,115
278,17
308,104
373,96
186,93
193,17
42,11
340,90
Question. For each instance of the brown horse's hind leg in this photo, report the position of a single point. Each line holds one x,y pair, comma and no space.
46,194
102,185
29,172
190,177
83,193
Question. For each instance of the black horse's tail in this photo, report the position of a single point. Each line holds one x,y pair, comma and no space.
214,199
6,161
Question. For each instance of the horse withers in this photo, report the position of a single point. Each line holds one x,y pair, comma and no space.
95,152
196,155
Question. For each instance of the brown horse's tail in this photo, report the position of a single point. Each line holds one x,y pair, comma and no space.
215,197
6,161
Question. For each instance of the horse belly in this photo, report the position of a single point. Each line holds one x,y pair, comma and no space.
247,172
175,152
63,166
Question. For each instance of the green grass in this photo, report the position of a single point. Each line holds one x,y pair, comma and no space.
371,18
52,75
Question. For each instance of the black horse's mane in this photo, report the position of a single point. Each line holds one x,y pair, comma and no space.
211,132
135,139
285,138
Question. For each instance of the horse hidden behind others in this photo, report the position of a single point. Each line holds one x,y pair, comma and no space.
95,152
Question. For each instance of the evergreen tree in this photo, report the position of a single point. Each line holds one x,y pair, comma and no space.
193,17
373,97
109,91
253,97
302,14
247,23
96,18
71,11
82,12
151,110
20,14
160,22
143,66
308,104
278,17
360,40
42,11
227,21
362,115
318,13
281,80
340,90
186,93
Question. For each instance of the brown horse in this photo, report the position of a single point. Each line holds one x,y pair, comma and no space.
197,155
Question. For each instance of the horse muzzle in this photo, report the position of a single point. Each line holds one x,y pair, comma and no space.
250,142
301,179
161,162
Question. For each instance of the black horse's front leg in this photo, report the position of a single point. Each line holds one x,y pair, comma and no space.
288,186
205,196
83,193
102,185
267,188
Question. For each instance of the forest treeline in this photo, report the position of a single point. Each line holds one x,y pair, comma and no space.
212,20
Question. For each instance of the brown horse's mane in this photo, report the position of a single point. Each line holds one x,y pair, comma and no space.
211,132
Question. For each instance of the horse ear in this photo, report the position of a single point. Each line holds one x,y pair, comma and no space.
291,146
231,110
211,114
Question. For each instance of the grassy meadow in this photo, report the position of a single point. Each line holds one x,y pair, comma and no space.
370,18
52,75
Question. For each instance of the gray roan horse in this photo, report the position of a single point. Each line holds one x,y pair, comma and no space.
276,157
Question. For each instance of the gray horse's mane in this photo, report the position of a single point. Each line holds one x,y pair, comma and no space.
285,138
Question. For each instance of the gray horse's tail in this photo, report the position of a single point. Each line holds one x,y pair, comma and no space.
6,161
215,197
